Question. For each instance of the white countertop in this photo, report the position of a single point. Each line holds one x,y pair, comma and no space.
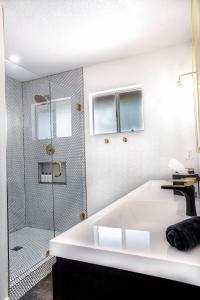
130,235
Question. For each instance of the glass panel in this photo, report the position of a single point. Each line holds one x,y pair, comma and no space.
69,160
46,192
105,114
43,119
63,118
130,107
30,204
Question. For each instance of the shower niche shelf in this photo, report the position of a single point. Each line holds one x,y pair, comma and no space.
52,172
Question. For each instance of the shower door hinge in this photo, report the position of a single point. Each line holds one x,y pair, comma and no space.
78,107
82,216
48,253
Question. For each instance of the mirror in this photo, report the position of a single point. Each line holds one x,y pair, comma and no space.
82,77
196,68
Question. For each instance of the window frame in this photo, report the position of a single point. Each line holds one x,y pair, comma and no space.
116,92
53,118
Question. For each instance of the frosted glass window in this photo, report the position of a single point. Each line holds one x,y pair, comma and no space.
105,114
43,121
63,119
130,107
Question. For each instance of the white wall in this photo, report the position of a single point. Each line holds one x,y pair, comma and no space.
3,197
116,168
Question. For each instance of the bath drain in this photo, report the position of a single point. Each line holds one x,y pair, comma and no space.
17,248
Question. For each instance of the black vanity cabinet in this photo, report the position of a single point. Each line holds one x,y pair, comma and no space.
74,280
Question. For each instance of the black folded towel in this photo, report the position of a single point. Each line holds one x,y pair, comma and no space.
184,235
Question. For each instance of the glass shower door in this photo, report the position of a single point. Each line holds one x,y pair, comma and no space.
68,141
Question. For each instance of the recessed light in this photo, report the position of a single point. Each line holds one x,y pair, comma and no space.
14,58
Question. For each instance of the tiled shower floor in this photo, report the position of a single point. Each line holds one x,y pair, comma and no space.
34,243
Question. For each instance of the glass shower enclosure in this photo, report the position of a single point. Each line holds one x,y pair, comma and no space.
46,170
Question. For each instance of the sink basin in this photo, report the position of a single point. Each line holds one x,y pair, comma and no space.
141,215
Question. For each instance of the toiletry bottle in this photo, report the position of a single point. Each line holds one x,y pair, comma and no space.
42,177
46,177
50,177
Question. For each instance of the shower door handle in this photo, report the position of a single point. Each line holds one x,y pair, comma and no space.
59,173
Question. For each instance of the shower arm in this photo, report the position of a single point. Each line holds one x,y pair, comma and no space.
59,173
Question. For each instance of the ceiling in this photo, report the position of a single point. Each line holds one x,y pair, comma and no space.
51,36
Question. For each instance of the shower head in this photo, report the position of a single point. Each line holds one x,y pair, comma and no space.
40,98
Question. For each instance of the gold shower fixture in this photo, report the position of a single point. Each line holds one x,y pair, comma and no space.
179,81
78,107
41,98
50,149
106,141
59,164
125,139
48,253
82,216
